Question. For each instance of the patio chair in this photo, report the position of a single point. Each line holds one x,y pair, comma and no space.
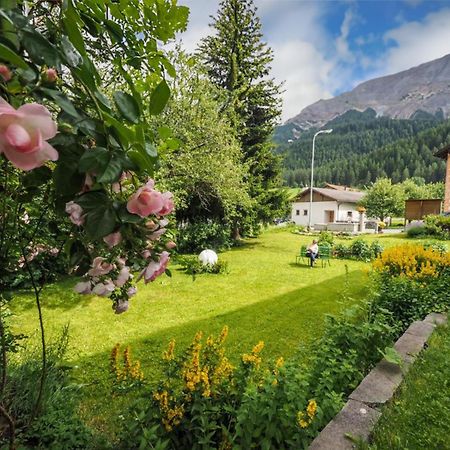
301,255
325,254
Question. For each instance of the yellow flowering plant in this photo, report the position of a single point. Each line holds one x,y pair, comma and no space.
126,373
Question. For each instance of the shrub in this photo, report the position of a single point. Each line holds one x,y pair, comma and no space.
57,425
438,226
412,282
194,237
416,232
342,251
326,237
193,266
126,373
376,249
360,249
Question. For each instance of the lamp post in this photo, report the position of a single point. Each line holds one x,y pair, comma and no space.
312,175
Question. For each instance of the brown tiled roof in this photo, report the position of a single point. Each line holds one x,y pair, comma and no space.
338,195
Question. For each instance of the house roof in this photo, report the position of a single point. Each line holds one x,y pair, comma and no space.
339,187
335,194
443,152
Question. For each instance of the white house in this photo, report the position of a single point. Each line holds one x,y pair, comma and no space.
328,206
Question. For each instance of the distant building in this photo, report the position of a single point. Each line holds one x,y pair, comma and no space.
444,153
329,206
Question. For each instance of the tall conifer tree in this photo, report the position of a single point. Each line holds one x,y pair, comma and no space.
237,60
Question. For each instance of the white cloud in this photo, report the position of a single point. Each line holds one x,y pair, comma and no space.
306,73
342,45
417,42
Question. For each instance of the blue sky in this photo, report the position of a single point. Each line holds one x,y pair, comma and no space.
323,48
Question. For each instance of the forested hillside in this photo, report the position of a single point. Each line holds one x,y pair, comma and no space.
364,147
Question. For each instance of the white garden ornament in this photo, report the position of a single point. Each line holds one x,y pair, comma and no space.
208,257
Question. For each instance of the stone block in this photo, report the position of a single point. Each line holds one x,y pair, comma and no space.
409,346
422,329
356,419
436,318
379,385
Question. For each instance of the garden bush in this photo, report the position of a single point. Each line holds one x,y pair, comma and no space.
195,237
358,249
326,237
416,232
57,424
193,266
438,226
412,281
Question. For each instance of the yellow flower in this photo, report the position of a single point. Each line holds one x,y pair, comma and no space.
223,334
280,362
311,408
302,423
258,347
169,354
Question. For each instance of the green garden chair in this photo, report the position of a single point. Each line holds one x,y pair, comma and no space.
325,254
301,255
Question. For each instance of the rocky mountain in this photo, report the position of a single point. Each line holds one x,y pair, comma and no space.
420,91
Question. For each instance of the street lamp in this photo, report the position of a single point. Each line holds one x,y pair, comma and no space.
312,175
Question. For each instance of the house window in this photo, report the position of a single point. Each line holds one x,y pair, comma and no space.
350,214
297,212
305,212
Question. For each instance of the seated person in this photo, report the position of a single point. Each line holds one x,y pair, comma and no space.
313,251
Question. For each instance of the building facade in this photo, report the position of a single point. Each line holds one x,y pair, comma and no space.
328,206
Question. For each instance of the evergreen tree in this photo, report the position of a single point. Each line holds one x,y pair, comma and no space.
237,60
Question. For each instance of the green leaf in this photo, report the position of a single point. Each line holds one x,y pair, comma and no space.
159,98
112,171
100,221
40,49
37,177
126,216
71,22
164,132
9,56
71,54
391,355
127,106
62,101
142,160
94,160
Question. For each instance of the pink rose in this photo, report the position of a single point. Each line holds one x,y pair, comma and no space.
24,133
157,234
146,201
100,267
170,245
113,239
5,73
121,262
104,289
51,75
83,287
168,204
76,213
132,290
146,254
155,268
123,277
121,306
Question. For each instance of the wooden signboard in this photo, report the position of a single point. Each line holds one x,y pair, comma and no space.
418,209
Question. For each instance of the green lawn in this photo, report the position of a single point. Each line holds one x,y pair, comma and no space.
265,296
418,417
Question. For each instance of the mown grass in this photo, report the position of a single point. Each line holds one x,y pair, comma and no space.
265,296
418,416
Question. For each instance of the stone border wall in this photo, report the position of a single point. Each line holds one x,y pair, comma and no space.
362,410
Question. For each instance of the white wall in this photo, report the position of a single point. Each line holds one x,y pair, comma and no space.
343,209
318,212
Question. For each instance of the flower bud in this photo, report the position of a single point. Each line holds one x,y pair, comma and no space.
51,75
5,73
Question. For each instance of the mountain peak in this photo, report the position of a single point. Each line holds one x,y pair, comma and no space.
424,88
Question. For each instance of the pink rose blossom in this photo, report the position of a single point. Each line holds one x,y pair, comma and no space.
132,290
100,267
146,254
5,73
76,213
155,268
113,239
157,234
123,277
170,245
104,289
121,262
163,223
24,133
121,306
168,205
51,75
83,287
146,201
151,225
